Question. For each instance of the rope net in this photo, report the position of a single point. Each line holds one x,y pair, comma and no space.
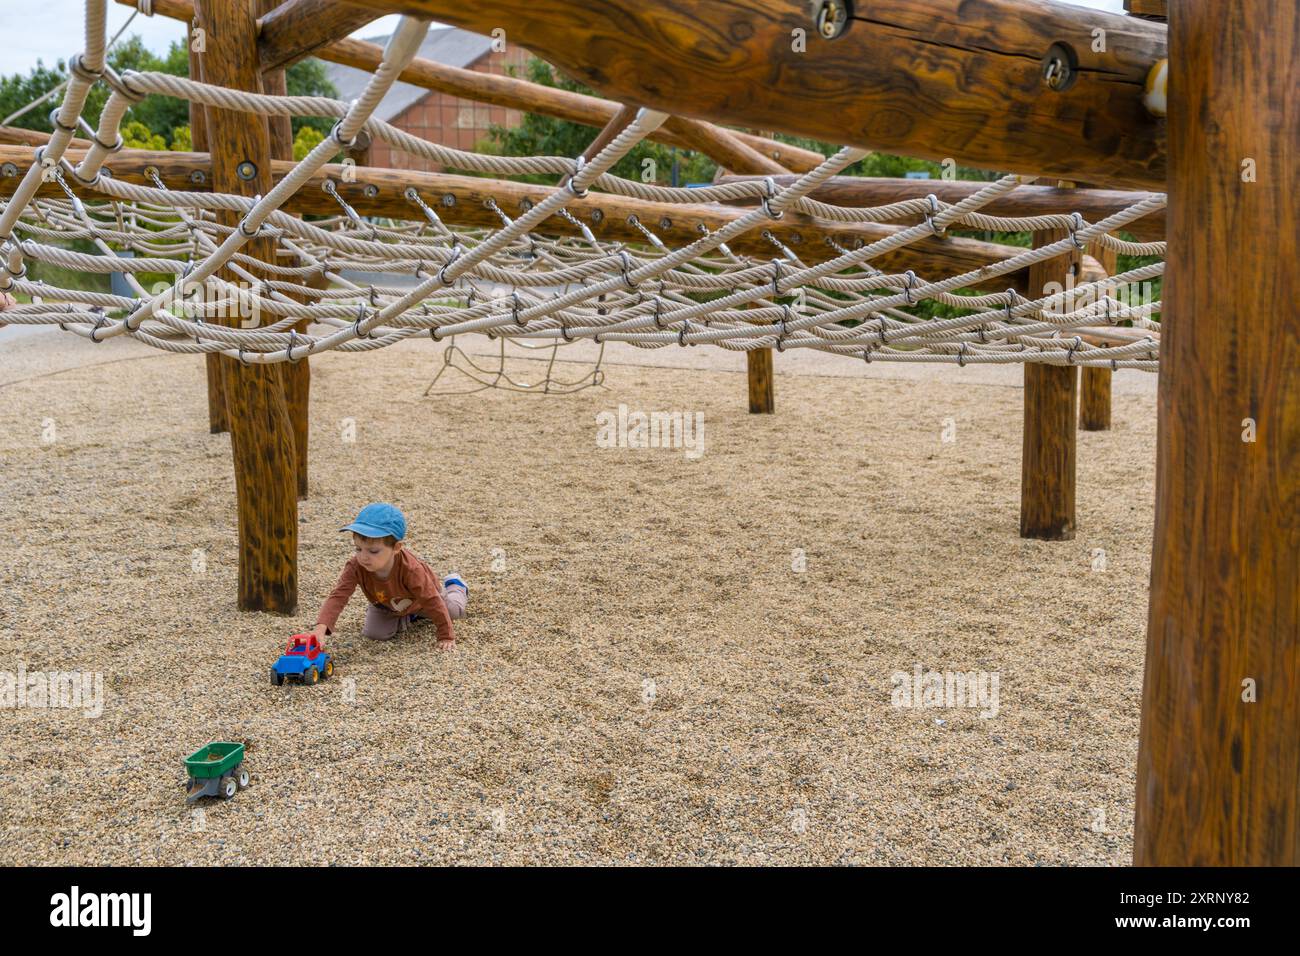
522,281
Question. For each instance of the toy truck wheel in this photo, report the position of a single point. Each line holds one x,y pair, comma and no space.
228,788
242,777
311,676
329,669
276,677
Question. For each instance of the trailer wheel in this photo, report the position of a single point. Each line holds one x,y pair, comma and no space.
243,779
227,788
311,676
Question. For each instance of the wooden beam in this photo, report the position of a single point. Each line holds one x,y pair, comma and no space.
294,29
18,136
726,148
731,148
931,78
1048,461
1218,771
261,434
1093,204
605,214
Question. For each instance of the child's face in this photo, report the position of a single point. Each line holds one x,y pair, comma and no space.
374,554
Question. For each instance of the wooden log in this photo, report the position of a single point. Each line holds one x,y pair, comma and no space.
261,434
762,392
725,148
289,31
18,136
1094,399
1093,204
604,213
512,93
199,141
760,374
1219,754
931,78
361,150
297,375
1094,383
1048,461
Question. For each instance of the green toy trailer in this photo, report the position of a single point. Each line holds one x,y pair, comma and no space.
215,770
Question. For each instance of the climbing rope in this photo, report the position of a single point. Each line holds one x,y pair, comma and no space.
522,282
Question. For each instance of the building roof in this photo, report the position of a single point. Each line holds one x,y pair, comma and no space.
447,45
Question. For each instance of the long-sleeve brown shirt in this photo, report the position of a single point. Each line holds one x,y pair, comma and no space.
410,587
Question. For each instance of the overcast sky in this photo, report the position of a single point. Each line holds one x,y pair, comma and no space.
55,29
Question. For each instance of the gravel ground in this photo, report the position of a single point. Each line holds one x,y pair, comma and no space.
643,677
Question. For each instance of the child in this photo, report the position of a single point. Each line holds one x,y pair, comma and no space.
400,586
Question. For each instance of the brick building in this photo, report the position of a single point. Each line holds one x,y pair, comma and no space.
438,117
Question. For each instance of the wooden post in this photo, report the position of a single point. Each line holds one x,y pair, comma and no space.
760,369
297,375
360,153
199,143
1047,467
261,434
1218,772
1094,398
761,392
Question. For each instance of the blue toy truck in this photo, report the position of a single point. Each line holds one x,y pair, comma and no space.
304,659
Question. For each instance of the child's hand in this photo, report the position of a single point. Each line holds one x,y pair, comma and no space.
446,645
319,630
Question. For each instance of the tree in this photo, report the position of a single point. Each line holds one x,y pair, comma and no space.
135,135
308,138
538,135
308,78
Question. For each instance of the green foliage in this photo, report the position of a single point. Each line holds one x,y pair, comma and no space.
888,165
135,135
308,78
308,138
538,135
17,91
181,140
161,114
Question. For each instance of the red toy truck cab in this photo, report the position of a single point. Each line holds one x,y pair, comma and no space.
308,644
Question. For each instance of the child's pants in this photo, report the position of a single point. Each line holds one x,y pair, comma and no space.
383,623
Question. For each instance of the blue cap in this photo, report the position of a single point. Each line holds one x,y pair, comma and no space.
378,521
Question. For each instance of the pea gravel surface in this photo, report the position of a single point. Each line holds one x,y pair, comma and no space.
666,660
